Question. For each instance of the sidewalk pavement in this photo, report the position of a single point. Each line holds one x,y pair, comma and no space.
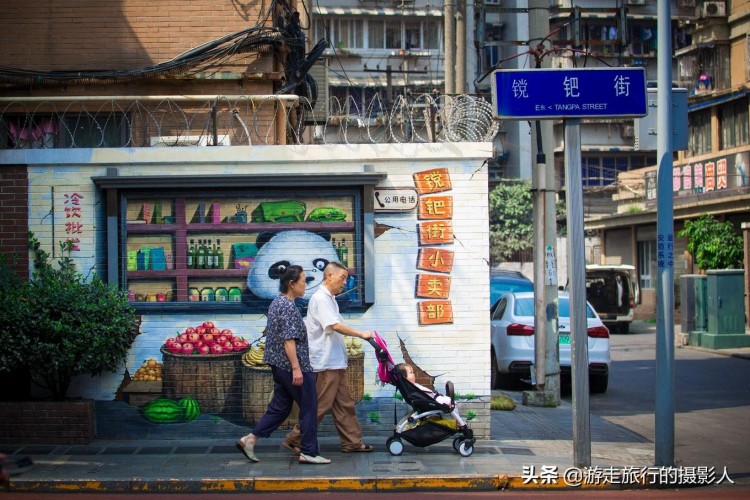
530,448
527,437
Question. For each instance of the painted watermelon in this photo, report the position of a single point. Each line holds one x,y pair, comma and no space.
191,408
164,411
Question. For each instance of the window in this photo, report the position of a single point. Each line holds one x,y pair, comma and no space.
393,35
357,101
346,33
71,130
733,123
603,170
376,34
412,33
432,35
647,263
699,132
379,34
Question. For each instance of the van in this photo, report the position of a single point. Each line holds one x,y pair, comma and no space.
613,292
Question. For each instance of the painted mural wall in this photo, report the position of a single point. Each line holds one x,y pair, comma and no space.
430,271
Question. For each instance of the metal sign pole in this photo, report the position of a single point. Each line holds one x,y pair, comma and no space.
577,279
572,94
664,407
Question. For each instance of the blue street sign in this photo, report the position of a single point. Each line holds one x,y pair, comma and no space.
569,93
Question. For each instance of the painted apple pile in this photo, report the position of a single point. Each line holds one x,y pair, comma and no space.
204,339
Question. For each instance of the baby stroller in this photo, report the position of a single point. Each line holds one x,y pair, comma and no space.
426,423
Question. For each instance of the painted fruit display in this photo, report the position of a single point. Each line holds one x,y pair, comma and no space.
205,339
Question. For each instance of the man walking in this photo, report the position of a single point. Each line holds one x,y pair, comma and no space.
329,360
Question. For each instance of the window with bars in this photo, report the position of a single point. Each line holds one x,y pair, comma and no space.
733,123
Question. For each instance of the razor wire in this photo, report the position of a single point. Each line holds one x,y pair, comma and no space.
244,120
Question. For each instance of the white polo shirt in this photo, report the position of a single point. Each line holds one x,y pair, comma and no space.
327,349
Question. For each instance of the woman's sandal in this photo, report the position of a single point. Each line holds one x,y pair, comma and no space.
248,451
363,449
289,446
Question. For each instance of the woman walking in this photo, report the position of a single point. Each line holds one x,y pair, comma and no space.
293,377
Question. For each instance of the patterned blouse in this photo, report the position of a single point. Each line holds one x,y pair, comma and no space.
285,323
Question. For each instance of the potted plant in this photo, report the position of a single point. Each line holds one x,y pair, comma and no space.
61,324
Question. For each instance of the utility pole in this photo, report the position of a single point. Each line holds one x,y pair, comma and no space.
546,348
460,46
449,66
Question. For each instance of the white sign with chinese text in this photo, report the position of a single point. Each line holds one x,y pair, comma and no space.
391,199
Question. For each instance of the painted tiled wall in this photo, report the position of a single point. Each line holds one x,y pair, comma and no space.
457,352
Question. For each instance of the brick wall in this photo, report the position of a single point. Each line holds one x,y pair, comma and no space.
114,34
47,422
14,216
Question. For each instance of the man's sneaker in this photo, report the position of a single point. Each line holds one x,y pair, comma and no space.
307,459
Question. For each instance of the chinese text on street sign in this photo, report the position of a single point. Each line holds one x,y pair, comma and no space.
569,93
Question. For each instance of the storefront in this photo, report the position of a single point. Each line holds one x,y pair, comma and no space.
713,184
196,236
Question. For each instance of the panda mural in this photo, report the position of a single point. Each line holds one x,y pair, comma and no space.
278,250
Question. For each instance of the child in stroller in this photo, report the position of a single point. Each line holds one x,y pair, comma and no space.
425,424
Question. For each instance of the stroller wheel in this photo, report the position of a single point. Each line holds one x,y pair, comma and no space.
466,448
457,442
395,446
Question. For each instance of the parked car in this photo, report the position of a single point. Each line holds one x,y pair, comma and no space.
502,281
512,337
613,291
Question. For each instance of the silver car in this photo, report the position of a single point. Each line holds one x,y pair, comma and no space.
512,337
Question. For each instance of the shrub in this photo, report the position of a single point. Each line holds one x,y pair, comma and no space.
65,325
713,244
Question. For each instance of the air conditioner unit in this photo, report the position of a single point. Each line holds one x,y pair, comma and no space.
627,132
636,2
713,9
186,140
686,3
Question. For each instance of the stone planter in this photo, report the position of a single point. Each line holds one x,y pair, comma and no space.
47,422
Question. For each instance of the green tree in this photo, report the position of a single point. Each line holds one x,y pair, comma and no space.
511,219
713,244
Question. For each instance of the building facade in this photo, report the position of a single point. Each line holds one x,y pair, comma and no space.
711,176
144,135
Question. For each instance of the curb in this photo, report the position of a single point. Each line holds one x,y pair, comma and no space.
494,482
721,352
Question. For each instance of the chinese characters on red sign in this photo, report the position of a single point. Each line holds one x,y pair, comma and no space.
437,212
436,233
73,224
433,286
435,207
433,181
435,312
435,260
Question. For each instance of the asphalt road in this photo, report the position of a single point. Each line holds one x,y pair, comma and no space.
712,401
